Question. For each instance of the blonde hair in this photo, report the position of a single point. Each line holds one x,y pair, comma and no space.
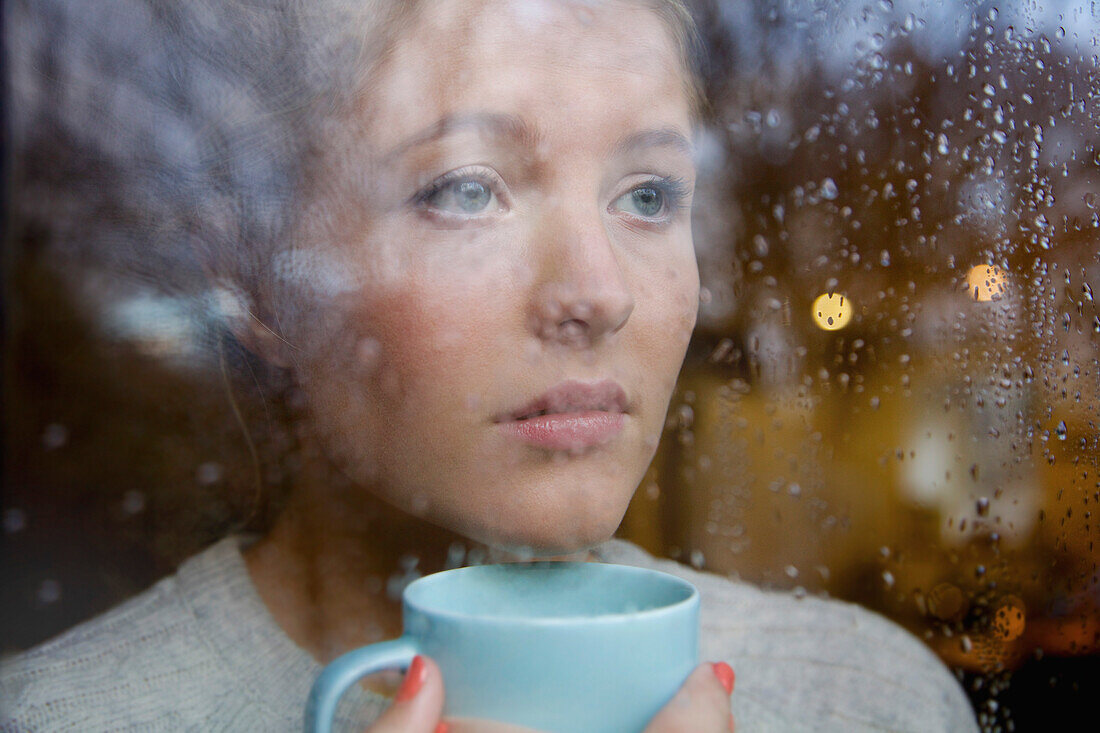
681,24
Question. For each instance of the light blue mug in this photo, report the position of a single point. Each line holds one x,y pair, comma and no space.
560,647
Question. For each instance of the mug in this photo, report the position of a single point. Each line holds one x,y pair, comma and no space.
561,647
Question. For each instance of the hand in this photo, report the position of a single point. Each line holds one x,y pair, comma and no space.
701,705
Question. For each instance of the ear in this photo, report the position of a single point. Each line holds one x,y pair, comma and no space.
239,313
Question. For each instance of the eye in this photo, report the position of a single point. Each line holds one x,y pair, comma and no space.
464,193
655,200
467,197
647,201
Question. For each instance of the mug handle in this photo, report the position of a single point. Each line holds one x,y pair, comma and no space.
345,670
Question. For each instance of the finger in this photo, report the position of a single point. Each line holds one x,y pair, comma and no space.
702,704
418,704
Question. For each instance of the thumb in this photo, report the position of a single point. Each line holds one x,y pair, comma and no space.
418,704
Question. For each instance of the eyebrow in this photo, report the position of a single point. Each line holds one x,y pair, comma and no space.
491,123
516,129
667,137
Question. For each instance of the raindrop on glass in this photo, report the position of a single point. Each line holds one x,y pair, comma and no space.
133,502
208,473
54,436
49,591
14,520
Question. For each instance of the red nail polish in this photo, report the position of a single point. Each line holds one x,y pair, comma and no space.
414,680
442,728
724,673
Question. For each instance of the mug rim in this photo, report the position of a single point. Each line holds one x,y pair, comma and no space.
691,597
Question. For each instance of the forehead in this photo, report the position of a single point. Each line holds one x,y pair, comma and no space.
547,58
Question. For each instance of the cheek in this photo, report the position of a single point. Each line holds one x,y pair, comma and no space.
429,350
666,313
669,294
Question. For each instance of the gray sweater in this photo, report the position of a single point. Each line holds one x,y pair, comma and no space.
200,652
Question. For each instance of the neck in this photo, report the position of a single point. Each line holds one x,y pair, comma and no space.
332,568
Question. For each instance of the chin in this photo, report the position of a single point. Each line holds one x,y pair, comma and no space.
553,536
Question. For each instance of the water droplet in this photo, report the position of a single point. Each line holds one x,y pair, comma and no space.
721,351
888,578
1086,290
697,559
208,473
829,189
989,89
133,502
983,506
760,245
884,258
49,591
1090,200
54,436
14,520
1061,431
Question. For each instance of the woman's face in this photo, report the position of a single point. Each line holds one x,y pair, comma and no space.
511,279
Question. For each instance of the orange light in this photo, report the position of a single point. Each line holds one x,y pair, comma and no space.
832,311
986,282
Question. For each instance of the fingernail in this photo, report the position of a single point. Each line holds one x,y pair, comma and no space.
724,673
414,680
442,728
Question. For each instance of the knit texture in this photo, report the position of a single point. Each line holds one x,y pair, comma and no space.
200,652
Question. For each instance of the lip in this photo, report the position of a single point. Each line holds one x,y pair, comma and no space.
569,416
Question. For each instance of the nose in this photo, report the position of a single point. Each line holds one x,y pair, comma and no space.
582,294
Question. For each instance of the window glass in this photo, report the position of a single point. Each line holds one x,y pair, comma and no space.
893,392
892,395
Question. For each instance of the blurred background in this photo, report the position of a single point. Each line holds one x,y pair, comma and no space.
892,397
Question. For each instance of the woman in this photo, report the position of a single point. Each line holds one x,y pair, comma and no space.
482,303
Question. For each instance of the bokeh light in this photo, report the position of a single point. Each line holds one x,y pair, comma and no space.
832,311
986,282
